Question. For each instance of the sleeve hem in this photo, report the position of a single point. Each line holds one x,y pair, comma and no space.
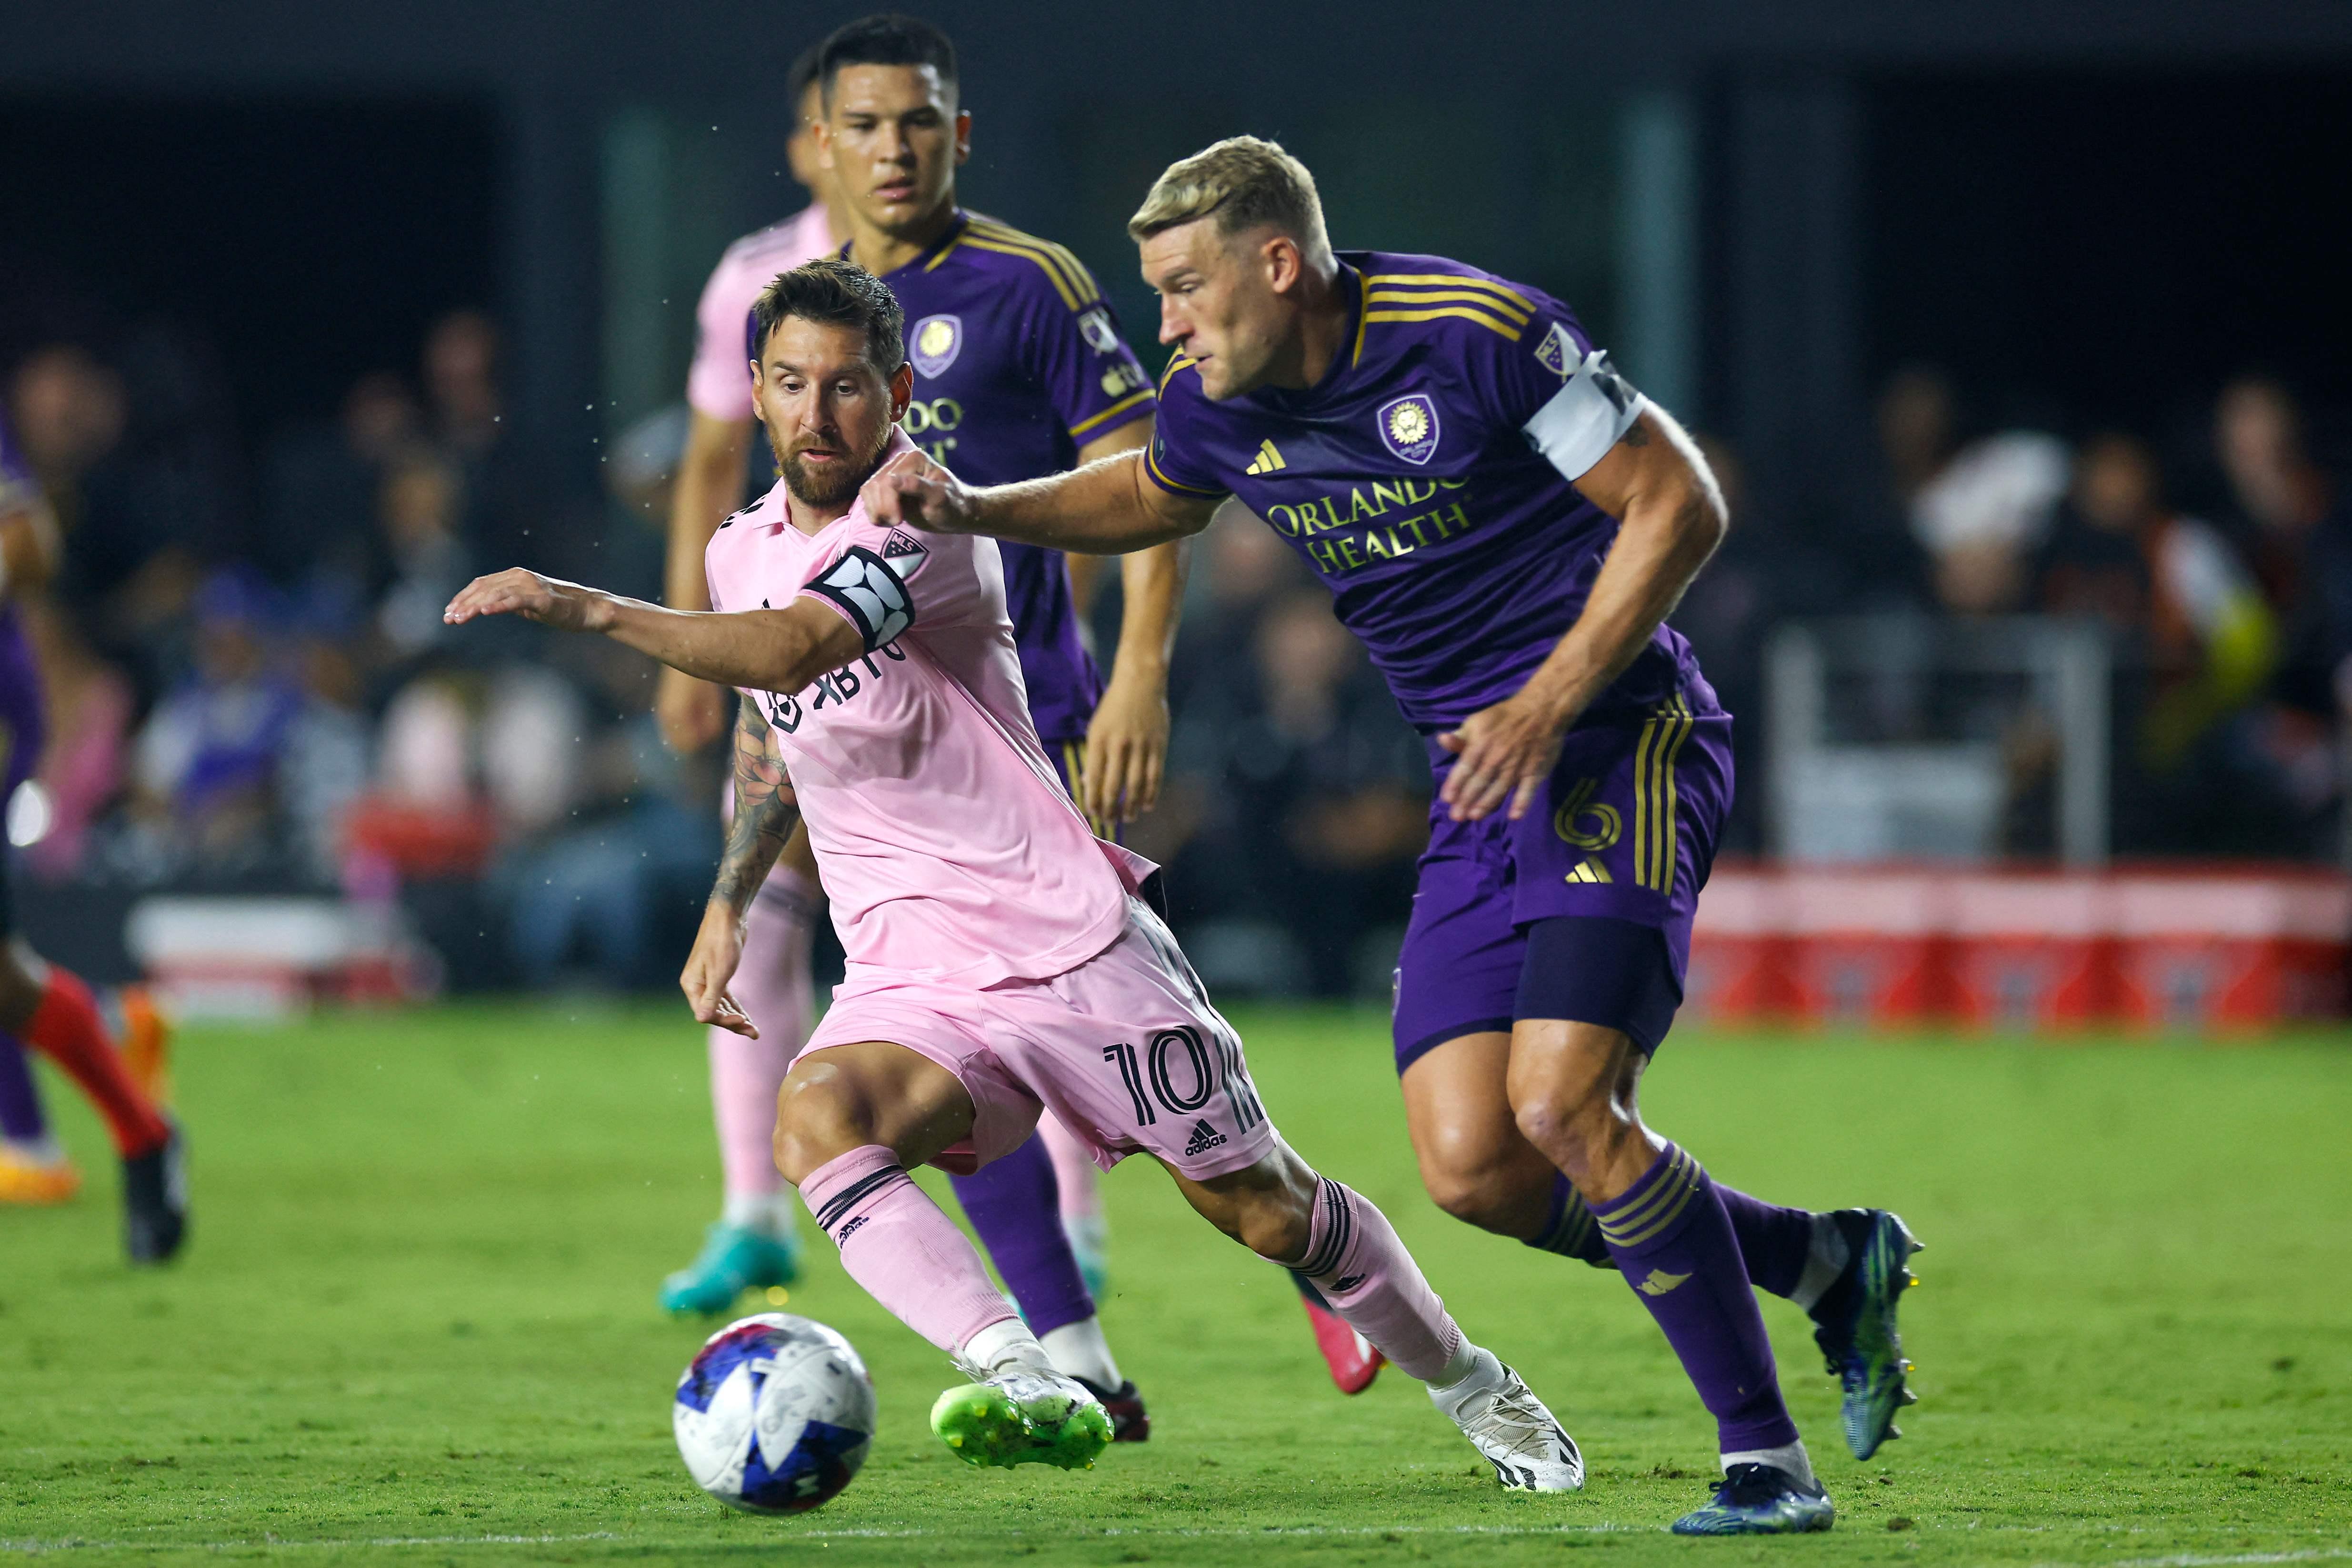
1177,486
1125,411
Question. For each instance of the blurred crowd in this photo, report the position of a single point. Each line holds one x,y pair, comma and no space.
251,688
2215,557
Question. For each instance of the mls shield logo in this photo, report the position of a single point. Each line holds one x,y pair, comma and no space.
937,340
1095,328
1409,425
1558,353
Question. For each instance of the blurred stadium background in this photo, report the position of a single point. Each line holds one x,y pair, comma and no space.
2013,329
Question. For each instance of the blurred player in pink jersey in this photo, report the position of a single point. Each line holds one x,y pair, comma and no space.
1001,962
753,1244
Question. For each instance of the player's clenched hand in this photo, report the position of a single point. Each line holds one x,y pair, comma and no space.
1127,750
913,489
1505,752
550,601
718,949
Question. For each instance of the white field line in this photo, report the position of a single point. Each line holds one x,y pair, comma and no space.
33,1547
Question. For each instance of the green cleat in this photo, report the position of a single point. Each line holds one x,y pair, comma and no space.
1023,1418
732,1261
1856,1332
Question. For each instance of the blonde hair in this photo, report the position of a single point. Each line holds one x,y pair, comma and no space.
1246,182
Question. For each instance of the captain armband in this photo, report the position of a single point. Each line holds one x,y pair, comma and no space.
862,586
1593,408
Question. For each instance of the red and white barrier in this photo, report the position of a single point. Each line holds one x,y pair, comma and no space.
2220,949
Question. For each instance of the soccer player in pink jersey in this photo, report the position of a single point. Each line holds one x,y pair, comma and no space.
1001,963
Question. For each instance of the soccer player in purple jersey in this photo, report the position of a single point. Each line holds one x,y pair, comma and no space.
44,1005
1506,524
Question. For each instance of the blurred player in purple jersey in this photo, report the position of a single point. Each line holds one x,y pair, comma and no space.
1506,524
1019,372
41,1004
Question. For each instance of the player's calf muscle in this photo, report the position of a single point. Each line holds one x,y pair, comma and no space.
1267,1206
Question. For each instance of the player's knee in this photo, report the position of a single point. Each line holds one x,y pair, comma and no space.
1569,1121
818,1120
1473,1185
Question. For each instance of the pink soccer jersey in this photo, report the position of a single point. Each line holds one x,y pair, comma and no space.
948,849
720,382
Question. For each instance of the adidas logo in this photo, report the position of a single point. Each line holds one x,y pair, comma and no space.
1591,871
1266,460
1347,1282
854,1226
1204,1138
1659,1282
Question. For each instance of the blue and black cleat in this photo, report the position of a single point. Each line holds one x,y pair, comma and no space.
1757,1500
1856,1325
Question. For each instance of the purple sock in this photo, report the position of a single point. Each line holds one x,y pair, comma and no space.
20,1102
1017,1206
1775,1242
1672,1240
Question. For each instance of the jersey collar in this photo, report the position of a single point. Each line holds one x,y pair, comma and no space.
936,253
1351,348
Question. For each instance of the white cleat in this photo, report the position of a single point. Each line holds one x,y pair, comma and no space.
1506,1422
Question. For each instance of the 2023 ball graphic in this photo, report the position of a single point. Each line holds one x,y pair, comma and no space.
774,1415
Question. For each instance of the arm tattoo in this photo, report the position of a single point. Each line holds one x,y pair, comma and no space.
765,810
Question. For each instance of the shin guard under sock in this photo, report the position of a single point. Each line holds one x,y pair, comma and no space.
1360,1266
1673,1242
909,1255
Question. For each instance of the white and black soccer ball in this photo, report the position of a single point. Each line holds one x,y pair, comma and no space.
774,1415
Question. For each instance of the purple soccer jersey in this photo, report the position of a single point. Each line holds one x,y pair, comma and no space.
1425,479
1018,363
21,726
1418,479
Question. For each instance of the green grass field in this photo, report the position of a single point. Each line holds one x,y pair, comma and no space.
416,1323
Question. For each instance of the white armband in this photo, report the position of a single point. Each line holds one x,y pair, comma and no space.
1585,418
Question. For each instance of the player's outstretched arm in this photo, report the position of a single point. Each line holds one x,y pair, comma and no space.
1107,507
766,650
765,810
1671,518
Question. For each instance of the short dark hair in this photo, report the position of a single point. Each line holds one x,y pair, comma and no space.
803,74
836,293
886,40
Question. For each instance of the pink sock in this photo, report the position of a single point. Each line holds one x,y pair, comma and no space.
1355,1257
774,987
909,1257
1074,1169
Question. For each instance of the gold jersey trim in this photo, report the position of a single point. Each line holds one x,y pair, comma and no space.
1121,406
1468,313
1152,465
1384,294
1658,799
1073,282
1452,280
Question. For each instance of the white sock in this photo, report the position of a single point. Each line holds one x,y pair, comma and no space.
1472,1371
1079,1350
1824,1263
40,1151
1791,1459
1006,1345
768,1214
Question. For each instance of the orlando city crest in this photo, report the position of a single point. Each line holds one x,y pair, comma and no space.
1409,425
936,341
